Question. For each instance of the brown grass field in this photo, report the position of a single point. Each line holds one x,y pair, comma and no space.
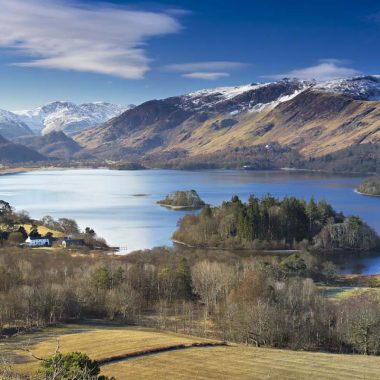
44,230
232,362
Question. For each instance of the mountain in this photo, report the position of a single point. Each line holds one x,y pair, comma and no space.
55,145
175,122
16,153
68,117
360,88
11,126
311,119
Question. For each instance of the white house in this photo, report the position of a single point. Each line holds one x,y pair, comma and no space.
38,242
70,242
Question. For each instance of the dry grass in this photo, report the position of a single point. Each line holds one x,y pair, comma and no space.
234,362
99,342
245,363
44,230
359,280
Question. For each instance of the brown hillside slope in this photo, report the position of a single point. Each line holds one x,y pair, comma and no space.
313,123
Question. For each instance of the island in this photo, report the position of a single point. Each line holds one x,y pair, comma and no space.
269,223
180,200
370,186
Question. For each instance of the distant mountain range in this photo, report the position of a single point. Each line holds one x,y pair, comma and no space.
68,117
312,119
284,123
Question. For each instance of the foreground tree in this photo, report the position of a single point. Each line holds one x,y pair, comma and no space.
70,366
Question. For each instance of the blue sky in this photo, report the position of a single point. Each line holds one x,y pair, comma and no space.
131,51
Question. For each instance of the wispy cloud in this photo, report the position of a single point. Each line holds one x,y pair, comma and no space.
210,70
204,66
92,38
326,69
206,75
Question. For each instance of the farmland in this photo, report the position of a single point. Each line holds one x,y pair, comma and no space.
102,342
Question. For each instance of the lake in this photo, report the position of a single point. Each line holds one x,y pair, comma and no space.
121,205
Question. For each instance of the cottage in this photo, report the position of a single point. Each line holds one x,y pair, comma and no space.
38,242
70,242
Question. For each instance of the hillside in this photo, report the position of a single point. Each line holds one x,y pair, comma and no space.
55,145
311,119
16,153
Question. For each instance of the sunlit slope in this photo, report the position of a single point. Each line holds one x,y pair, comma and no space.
313,123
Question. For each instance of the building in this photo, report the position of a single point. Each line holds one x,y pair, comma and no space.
70,242
38,242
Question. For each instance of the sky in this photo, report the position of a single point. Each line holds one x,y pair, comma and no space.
128,52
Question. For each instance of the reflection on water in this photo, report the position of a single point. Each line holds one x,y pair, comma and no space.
106,201
358,264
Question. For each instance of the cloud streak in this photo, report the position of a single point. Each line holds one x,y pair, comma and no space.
326,69
69,35
209,70
206,75
204,66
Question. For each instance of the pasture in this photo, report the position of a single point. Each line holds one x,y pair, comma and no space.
104,342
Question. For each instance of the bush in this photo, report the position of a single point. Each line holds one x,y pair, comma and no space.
73,365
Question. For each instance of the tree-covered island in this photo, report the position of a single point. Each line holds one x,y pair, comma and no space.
182,200
370,186
271,223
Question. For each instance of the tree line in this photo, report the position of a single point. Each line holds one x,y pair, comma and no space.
271,302
268,222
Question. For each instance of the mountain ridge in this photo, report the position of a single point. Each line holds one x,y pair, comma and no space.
67,116
312,118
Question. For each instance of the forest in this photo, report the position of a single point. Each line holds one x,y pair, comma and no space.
272,302
271,223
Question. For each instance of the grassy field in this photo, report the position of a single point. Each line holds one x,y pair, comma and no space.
44,230
99,342
232,362
339,293
359,280
245,363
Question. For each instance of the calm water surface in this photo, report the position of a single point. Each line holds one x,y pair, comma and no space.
106,200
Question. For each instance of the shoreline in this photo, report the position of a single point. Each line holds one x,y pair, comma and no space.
25,169
179,208
366,195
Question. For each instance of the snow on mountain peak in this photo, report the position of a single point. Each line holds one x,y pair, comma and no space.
11,125
69,117
253,97
359,87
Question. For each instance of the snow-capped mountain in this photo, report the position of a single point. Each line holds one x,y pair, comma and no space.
69,117
360,87
250,97
305,115
12,126
274,93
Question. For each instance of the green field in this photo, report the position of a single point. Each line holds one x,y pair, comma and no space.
231,362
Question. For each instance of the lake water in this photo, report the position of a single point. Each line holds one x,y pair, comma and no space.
106,200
